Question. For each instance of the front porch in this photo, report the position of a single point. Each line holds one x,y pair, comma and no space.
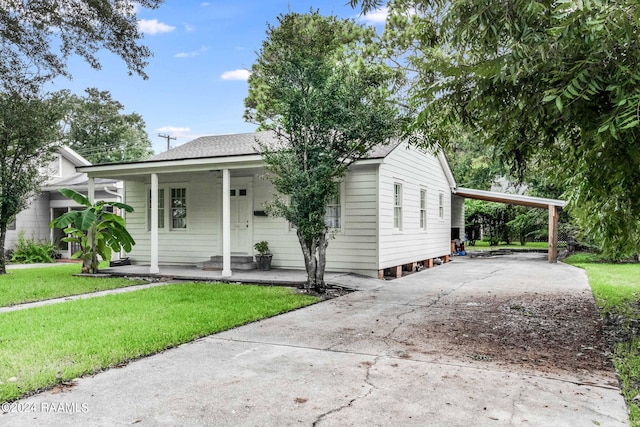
279,277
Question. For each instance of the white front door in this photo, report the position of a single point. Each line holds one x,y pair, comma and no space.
241,216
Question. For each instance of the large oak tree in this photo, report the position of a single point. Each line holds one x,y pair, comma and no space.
549,83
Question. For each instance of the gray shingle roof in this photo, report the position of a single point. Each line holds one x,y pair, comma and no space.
241,144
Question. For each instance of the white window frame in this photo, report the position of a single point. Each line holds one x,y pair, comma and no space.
185,207
339,205
162,204
397,206
441,205
423,209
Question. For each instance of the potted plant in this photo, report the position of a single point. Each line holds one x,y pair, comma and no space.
263,257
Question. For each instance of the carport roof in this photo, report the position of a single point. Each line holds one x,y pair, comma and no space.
511,199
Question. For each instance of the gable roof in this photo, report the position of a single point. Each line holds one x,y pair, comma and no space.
72,156
241,144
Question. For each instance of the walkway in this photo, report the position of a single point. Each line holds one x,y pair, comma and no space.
354,360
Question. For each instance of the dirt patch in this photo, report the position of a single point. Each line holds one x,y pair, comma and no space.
542,332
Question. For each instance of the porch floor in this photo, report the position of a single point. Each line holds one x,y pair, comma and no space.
275,276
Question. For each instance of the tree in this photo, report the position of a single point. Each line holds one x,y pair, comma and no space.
96,230
28,129
548,83
328,101
96,128
38,37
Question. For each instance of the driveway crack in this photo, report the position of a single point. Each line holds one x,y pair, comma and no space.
367,380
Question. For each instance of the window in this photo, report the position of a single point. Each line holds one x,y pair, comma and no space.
11,225
423,209
397,206
178,208
160,209
333,213
441,206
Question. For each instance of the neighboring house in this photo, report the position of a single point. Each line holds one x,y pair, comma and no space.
395,207
49,203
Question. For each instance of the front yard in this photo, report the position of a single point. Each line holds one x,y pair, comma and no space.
36,284
54,344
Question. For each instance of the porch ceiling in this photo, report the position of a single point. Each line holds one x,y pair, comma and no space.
511,199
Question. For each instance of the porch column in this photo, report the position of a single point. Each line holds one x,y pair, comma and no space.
91,190
153,269
226,223
554,213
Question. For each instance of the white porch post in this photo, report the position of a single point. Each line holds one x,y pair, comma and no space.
553,233
91,190
153,269
226,223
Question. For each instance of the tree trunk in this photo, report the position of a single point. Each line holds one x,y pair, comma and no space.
314,252
3,261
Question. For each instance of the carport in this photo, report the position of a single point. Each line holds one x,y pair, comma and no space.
553,205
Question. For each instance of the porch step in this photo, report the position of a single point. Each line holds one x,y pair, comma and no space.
238,262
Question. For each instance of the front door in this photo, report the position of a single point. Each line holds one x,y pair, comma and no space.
241,216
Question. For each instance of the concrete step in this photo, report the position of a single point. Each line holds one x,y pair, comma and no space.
238,262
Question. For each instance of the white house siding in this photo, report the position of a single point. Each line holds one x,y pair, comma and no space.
353,249
413,169
34,221
457,214
195,244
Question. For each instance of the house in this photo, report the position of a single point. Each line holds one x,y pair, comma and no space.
206,198
50,204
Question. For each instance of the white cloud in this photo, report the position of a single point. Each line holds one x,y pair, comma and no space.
152,26
204,4
378,16
199,52
189,28
236,75
175,131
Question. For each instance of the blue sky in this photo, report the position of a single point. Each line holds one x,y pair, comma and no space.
197,76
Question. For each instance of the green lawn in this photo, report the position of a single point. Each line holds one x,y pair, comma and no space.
46,345
616,288
42,283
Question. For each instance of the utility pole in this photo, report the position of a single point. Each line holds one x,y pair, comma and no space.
168,138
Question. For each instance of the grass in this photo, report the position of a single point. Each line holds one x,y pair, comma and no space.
616,288
47,345
482,245
36,284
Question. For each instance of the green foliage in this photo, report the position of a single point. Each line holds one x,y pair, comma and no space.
95,127
492,217
94,229
316,84
553,84
262,247
44,346
30,251
37,38
28,129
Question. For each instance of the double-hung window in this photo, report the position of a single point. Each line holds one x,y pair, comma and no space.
423,209
397,206
178,208
160,209
333,213
441,206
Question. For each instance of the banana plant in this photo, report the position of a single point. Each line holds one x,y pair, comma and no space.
97,231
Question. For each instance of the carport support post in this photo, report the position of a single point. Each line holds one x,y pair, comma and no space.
226,223
553,233
153,269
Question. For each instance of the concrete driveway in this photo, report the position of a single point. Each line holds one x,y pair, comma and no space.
349,361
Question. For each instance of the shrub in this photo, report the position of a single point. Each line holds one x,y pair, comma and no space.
30,251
